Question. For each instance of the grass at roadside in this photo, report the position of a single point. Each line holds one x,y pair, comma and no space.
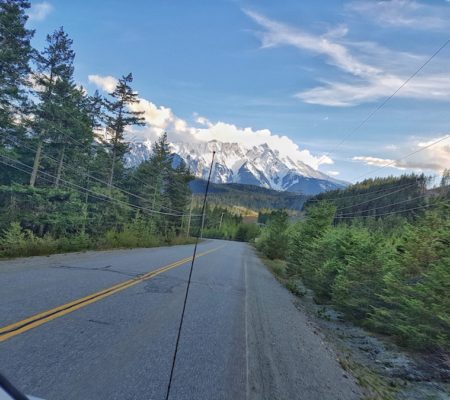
278,268
17,242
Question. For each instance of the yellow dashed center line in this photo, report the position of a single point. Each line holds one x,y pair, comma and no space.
36,320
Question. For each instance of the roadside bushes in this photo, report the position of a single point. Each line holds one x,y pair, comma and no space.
359,281
16,241
302,239
273,241
416,294
246,232
242,232
392,276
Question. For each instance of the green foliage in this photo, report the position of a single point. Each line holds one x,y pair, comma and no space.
390,274
220,223
246,232
303,235
376,197
416,298
249,196
293,286
273,241
15,241
359,280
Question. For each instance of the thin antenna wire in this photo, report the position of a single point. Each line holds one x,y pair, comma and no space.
188,283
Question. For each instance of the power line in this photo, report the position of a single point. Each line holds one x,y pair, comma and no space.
86,190
86,147
355,195
390,213
387,205
86,174
406,156
386,100
376,198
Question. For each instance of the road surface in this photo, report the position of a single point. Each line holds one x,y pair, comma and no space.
103,325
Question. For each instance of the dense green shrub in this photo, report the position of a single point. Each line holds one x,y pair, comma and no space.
246,232
303,236
390,275
273,241
359,281
416,297
17,241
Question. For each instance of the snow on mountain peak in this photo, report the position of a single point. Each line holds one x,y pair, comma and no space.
257,164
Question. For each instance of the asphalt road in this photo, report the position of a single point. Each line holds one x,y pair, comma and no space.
242,338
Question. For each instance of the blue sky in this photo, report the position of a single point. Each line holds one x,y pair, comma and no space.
300,75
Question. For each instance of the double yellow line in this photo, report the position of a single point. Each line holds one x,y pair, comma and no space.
26,324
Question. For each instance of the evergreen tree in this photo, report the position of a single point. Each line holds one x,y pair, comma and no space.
54,79
120,116
15,55
178,193
445,180
274,241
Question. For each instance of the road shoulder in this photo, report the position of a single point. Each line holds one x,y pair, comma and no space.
287,358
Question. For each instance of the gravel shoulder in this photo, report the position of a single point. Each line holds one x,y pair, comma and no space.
287,358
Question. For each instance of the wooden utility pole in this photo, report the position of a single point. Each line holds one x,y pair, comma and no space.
190,216
203,221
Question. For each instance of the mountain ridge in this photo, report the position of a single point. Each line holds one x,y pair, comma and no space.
257,165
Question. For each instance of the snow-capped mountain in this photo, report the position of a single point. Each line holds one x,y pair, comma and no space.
234,163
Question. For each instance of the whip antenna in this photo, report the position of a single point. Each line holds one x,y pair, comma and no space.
189,279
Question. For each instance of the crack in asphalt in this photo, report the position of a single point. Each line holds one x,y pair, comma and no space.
106,268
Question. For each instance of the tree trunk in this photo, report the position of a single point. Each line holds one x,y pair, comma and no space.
190,216
60,166
37,160
111,175
85,206
203,224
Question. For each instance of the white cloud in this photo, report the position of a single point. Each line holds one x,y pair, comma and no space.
333,173
431,87
40,11
404,14
226,132
160,119
434,158
368,80
391,147
106,83
278,34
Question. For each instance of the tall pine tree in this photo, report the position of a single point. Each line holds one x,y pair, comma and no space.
119,116
15,55
54,80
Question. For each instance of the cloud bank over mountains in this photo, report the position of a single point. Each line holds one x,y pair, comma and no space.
161,119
